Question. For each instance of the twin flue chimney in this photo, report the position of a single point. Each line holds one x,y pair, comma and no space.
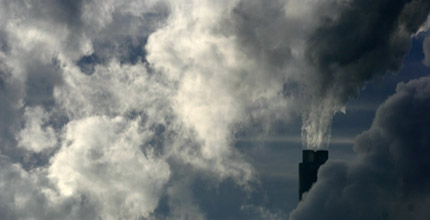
308,169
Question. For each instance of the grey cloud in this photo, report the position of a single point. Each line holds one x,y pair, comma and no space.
388,179
362,41
3,41
124,38
426,51
64,11
10,94
25,195
119,93
344,48
330,54
43,95
257,25
102,159
40,82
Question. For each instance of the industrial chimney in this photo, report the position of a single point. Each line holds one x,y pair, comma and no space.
308,169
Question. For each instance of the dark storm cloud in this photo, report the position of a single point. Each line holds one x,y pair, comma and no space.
358,41
365,40
344,43
389,178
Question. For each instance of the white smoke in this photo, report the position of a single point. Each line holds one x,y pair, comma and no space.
353,45
387,179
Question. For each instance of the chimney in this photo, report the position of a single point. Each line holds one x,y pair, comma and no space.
308,169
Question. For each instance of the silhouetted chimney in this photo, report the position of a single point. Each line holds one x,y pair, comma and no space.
308,169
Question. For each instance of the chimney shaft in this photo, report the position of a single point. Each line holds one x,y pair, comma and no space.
308,169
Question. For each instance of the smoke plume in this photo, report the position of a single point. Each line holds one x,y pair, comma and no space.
388,179
361,41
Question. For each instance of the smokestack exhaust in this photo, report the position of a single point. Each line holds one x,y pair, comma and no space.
308,169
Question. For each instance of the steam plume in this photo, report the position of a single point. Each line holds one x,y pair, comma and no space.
388,178
362,41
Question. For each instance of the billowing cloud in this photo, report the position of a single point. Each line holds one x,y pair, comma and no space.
88,118
36,135
30,195
103,160
362,41
388,179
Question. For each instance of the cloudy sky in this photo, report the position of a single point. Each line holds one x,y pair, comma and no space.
199,109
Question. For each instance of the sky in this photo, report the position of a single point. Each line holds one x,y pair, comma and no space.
199,109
